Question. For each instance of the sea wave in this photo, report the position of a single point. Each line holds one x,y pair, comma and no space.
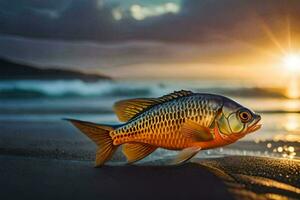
72,88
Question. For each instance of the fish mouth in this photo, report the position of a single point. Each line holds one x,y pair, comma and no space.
255,126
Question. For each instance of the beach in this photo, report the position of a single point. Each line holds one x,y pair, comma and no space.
68,172
43,156
33,178
214,81
54,160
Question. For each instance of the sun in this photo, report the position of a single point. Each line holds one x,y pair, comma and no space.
292,62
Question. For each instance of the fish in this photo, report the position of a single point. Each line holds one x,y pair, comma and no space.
182,121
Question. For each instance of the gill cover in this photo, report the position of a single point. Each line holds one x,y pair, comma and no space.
229,121
223,124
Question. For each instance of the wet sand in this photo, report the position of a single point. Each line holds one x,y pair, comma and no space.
52,160
232,177
249,177
31,178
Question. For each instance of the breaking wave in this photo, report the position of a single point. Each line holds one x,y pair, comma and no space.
73,88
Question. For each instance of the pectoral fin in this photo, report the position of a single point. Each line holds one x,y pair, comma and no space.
185,155
196,132
137,151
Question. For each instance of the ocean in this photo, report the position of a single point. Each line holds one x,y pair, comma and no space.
30,106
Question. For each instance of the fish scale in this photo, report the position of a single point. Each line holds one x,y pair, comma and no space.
161,124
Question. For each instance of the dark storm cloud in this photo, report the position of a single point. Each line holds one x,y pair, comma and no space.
72,20
197,21
90,55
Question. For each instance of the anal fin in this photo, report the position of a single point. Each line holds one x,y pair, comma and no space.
137,151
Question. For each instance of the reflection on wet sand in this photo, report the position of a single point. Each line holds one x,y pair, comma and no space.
256,177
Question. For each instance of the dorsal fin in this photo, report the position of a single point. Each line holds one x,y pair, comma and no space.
127,109
175,95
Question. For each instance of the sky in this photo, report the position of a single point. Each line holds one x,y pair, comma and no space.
153,38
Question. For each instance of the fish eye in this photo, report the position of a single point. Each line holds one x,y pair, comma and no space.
245,116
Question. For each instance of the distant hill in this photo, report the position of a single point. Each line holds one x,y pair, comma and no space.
10,70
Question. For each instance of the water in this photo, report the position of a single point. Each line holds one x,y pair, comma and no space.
38,102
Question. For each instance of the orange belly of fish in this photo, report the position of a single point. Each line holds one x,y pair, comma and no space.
171,141
218,141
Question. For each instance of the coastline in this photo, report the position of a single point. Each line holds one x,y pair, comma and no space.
50,159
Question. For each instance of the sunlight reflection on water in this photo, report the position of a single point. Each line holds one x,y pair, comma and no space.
284,127
292,123
293,90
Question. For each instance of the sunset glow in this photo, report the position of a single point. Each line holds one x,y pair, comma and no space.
292,62
293,90
155,96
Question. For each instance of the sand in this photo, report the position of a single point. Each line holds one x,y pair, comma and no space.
232,177
31,178
52,160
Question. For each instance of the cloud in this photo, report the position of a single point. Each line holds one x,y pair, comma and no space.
197,21
91,55
124,58
85,35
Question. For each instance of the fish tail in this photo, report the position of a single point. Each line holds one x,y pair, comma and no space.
100,135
